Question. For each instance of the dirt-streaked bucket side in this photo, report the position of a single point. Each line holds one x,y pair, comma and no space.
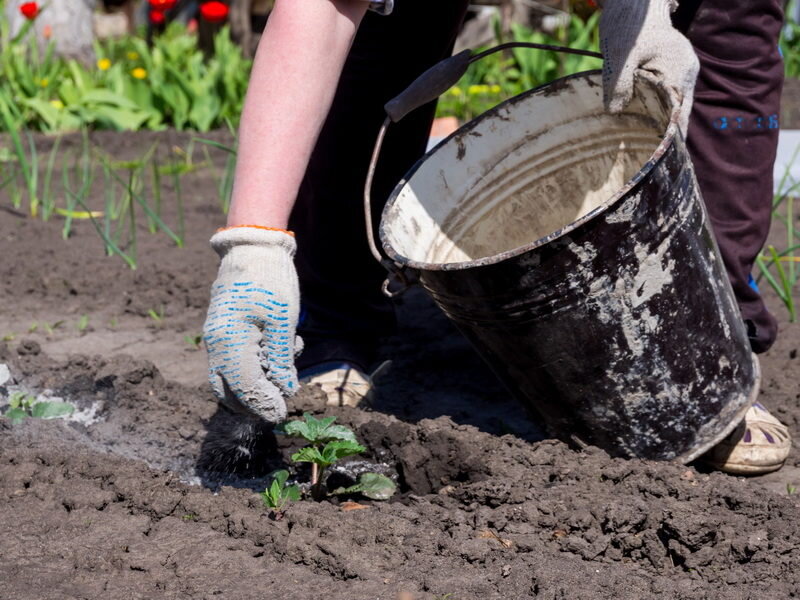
573,249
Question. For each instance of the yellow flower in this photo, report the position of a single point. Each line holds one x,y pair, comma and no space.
477,89
133,55
43,82
104,64
139,73
496,89
456,91
57,104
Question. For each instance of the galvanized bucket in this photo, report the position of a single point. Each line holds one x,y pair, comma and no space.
573,249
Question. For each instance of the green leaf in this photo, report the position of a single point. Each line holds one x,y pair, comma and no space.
310,455
280,477
371,485
51,410
292,493
17,415
101,96
339,449
337,432
376,486
318,431
278,493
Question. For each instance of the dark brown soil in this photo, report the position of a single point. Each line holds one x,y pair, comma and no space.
152,496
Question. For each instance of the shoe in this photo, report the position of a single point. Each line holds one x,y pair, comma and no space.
344,384
760,444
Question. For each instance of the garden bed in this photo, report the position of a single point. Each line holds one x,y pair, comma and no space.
128,498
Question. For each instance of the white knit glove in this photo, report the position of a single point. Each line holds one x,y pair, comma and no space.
250,328
637,36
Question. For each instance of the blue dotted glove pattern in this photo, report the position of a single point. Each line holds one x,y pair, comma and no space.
250,337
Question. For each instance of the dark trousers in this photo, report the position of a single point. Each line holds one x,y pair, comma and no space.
732,139
344,311
733,134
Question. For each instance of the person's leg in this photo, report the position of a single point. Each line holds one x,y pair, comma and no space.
733,139
733,134
344,310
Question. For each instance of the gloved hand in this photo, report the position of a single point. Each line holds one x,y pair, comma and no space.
637,35
250,328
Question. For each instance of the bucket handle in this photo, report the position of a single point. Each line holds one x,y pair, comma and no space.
426,88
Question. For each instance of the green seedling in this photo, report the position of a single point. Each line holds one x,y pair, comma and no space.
327,444
791,489
278,495
21,406
158,316
83,323
9,337
194,340
51,327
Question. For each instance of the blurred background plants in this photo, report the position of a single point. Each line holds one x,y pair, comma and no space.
500,76
133,85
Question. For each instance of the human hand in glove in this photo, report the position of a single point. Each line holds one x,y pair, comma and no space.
638,36
250,328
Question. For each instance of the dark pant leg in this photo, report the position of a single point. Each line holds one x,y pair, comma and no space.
340,282
733,134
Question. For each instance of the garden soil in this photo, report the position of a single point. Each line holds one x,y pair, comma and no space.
150,490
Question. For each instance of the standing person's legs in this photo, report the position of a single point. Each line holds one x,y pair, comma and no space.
733,139
733,134
340,282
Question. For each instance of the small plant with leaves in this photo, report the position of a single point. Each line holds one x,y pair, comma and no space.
194,340
327,444
21,406
278,495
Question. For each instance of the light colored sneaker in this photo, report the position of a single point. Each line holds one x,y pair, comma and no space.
760,444
343,384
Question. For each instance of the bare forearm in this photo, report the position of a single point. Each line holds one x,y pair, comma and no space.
294,77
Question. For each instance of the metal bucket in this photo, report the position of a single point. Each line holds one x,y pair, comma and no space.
573,249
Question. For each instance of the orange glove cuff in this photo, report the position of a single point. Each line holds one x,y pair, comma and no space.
286,231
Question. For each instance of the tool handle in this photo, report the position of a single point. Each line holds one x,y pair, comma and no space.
429,86
445,74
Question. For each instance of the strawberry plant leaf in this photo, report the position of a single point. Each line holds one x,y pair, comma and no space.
280,477
17,415
292,493
51,410
317,431
336,432
338,449
376,486
310,455
278,494
372,485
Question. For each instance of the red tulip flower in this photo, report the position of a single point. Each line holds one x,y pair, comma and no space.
157,17
29,10
214,11
162,5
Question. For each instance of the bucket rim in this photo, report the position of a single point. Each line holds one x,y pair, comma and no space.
668,139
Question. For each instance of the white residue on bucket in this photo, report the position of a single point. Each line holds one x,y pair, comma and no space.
653,275
585,253
625,212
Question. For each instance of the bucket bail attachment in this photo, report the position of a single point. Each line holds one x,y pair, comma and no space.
426,88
